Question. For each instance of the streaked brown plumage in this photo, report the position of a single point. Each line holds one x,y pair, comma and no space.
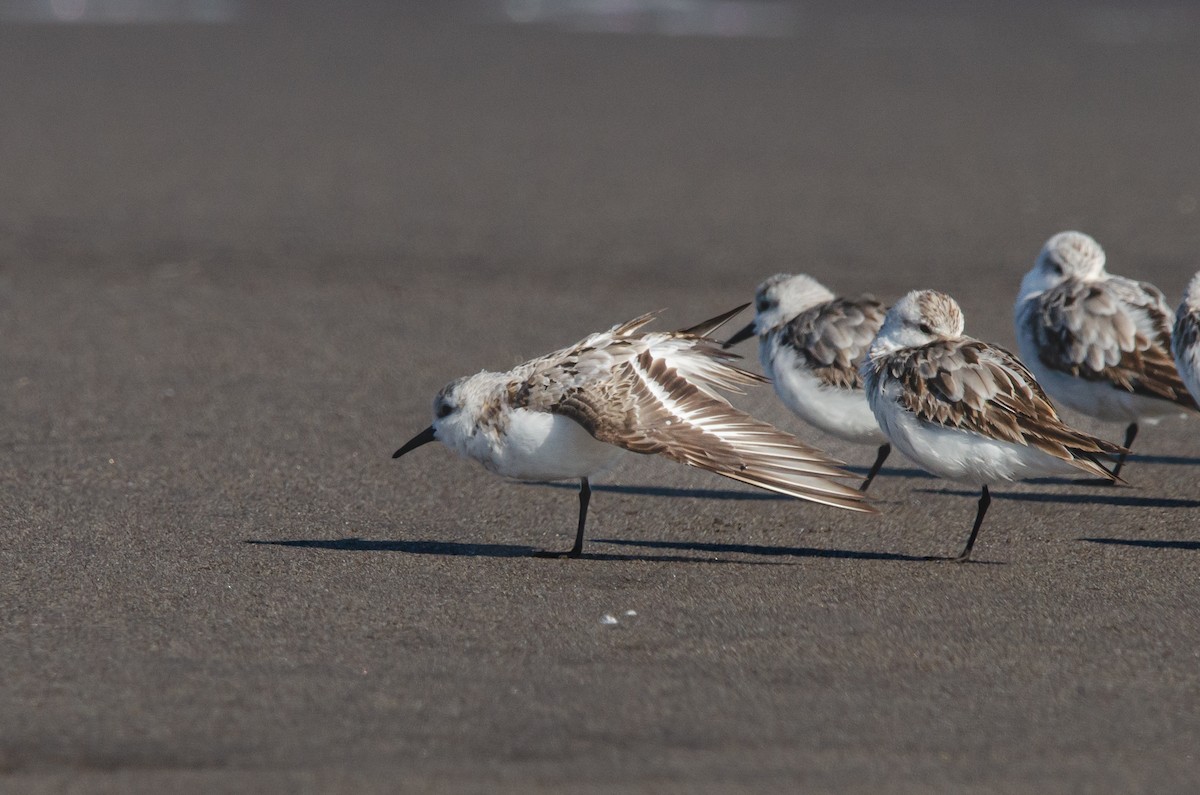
966,410
570,413
1098,343
1119,333
1185,337
833,337
810,343
970,385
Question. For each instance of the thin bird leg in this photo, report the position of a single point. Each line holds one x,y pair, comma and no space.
585,494
885,449
985,500
1130,435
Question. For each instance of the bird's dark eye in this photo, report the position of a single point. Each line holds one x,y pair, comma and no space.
1055,268
763,305
443,409
925,329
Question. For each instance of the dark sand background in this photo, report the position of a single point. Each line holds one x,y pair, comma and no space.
238,260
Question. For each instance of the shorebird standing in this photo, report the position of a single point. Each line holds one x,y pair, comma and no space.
1185,338
810,343
572,413
966,410
1099,344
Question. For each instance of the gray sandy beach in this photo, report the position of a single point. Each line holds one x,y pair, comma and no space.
243,245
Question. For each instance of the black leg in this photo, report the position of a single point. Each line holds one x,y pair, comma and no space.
585,494
985,500
884,450
1130,435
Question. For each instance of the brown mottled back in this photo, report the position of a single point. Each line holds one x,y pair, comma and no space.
972,386
833,337
1119,332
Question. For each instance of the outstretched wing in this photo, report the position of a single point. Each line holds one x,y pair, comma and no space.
656,393
648,406
594,361
1118,331
833,337
972,386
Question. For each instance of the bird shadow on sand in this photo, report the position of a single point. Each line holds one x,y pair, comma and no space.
1146,543
758,549
1090,482
1099,498
888,472
713,494
1177,460
459,549
667,491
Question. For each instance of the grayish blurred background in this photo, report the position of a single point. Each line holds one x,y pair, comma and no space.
242,244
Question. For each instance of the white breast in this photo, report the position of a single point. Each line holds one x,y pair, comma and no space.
536,445
843,413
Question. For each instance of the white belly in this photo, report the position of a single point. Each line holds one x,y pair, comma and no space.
541,446
1101,399
962,455
843,413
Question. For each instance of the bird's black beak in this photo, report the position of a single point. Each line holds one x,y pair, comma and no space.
424,437
744,334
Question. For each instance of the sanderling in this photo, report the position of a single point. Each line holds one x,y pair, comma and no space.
1185,338
810,343
966,410
572,413
1099,344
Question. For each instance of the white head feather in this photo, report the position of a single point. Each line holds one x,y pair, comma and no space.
1191,295
917,319
783,296
1067,255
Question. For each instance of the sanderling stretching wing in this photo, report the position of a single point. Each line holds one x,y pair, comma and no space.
810,343
966,410
571,414
1185,337
1098,343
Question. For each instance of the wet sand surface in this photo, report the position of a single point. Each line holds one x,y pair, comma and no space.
238,260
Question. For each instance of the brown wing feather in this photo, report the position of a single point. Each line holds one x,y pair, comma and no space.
972,386
1186,333
834,336
1118,333
621,392
647,407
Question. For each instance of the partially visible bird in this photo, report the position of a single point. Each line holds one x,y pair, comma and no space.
810,343
1099,344
574,412
966,410
1185,338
